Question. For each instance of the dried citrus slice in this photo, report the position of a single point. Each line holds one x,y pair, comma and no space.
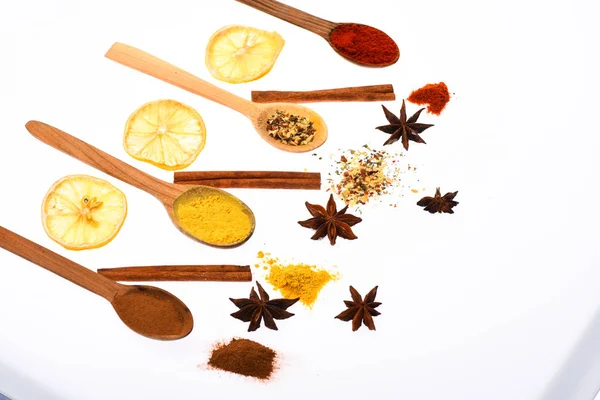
237,54
82,212
165,133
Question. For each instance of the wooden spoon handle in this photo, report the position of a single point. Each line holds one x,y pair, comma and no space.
58,264
160,69
100,160
317,25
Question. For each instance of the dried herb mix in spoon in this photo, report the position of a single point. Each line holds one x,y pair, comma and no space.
290,129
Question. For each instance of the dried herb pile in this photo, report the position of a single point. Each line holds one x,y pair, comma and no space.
244,357
360,176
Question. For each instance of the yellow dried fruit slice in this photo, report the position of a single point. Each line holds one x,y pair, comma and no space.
82,212
237,54
165,133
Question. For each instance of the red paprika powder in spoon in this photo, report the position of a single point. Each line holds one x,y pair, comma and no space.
365,44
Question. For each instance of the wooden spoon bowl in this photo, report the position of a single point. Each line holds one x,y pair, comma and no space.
257,113
147,310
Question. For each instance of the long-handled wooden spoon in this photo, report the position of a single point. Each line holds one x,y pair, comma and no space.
325,29
171,195
147,310
257,113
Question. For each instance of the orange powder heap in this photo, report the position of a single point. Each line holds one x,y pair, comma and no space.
434,95
296,280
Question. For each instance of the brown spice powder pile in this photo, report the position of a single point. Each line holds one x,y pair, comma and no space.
244,357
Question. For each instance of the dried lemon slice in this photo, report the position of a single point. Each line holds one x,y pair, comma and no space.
82,212
237,54
165,133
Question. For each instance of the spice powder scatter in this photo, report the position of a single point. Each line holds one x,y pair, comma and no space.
361,176
296,280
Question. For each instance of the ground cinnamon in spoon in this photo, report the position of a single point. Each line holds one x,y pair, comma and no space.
151,312
244,357
435,95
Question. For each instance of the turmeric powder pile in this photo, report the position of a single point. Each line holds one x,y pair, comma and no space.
297,280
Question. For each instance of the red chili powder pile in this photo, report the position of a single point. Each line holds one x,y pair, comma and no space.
435,95
244,357
364,44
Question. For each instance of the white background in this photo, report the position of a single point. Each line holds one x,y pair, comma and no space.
498,301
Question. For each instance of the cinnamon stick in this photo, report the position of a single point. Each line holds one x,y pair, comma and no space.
214,273
250,179
358,93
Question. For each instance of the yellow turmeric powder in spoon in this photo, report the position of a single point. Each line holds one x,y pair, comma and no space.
214,218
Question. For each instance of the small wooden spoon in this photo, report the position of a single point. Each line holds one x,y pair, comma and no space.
147,310
257,113
167,193
320,26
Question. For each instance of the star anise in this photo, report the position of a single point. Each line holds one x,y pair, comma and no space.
330,222
407,129
439,203
360,311
256,308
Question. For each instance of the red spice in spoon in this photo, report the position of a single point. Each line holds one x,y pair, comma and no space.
364,44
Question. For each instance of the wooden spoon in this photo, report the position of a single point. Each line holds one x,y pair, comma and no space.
147,310
169,194
257,113
320,26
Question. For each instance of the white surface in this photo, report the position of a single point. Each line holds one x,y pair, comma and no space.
498,301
